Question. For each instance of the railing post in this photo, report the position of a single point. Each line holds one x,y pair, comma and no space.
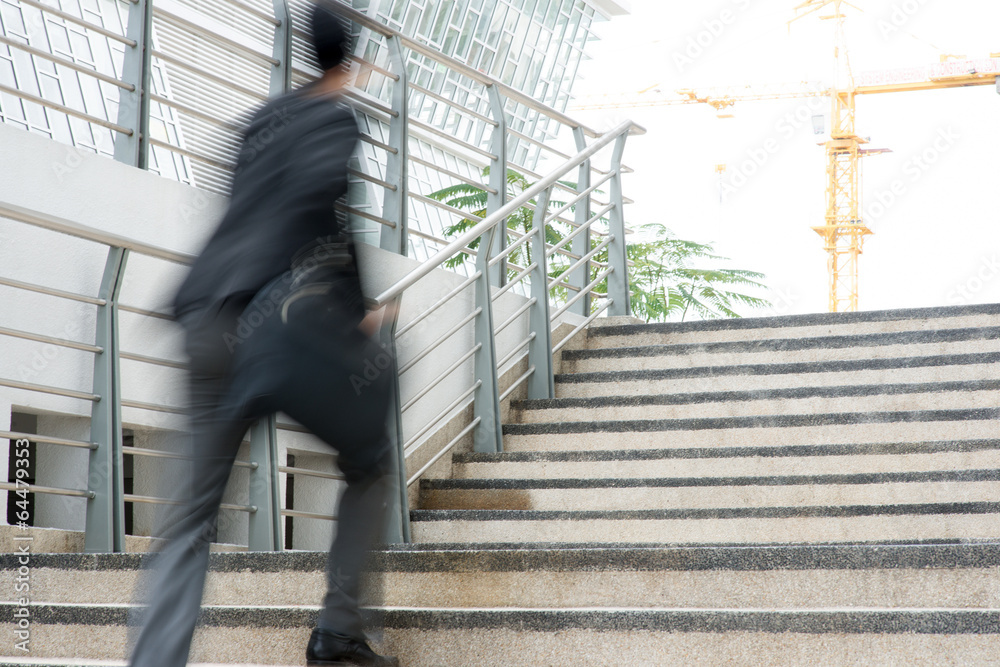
618,288
396,203
281,74
265,522
541,384
580,246
105,527
396,526
133,106
489,433
498,182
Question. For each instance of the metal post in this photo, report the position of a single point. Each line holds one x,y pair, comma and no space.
105,527
489,433
281,74
580,277
618,288
265,522
396,527
498,181
133,106
396,203
541,384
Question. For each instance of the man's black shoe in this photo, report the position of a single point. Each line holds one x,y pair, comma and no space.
329,648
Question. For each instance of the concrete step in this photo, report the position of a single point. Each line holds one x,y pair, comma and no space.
758,377
767,430
483,576
620,635
798,400
732,461
951,486
742,525
794,326
786,350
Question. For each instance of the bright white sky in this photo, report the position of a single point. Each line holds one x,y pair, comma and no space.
939,238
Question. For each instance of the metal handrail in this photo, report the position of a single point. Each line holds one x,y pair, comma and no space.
491,221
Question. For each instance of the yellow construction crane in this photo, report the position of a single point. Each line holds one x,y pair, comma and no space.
844,230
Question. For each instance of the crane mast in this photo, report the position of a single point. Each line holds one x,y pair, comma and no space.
844,230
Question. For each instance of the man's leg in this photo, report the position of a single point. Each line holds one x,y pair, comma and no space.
360,517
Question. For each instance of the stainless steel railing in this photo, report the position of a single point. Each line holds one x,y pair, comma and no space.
508,356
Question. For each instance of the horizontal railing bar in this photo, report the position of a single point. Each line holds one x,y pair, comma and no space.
50,340
51,291
573,267
156,361
77,67
372,66
160,454
540,144
191,154
580,195
585,226
191,111
375,142
453,174
309,515
498,217
604,306
185,24
566,221
152,407
517,383
292,470
444,450
510,320
586,290
517,348
361,99
65,109
513,246
148,313
409,448
437,304
371,179
449,137
441,339
445,207
453,104
363,214
48,440
441,376
79,21
515,280
429,237
47,490
221,80
153,500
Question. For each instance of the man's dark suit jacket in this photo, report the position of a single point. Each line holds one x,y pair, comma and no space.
292,167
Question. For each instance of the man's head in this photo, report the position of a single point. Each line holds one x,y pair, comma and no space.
329,35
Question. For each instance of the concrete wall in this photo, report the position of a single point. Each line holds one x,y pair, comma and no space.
51,178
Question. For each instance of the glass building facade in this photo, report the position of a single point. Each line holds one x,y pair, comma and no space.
212,63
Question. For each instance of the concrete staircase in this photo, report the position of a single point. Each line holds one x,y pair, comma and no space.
809,490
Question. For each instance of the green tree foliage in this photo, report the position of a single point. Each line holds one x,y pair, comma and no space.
665,280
